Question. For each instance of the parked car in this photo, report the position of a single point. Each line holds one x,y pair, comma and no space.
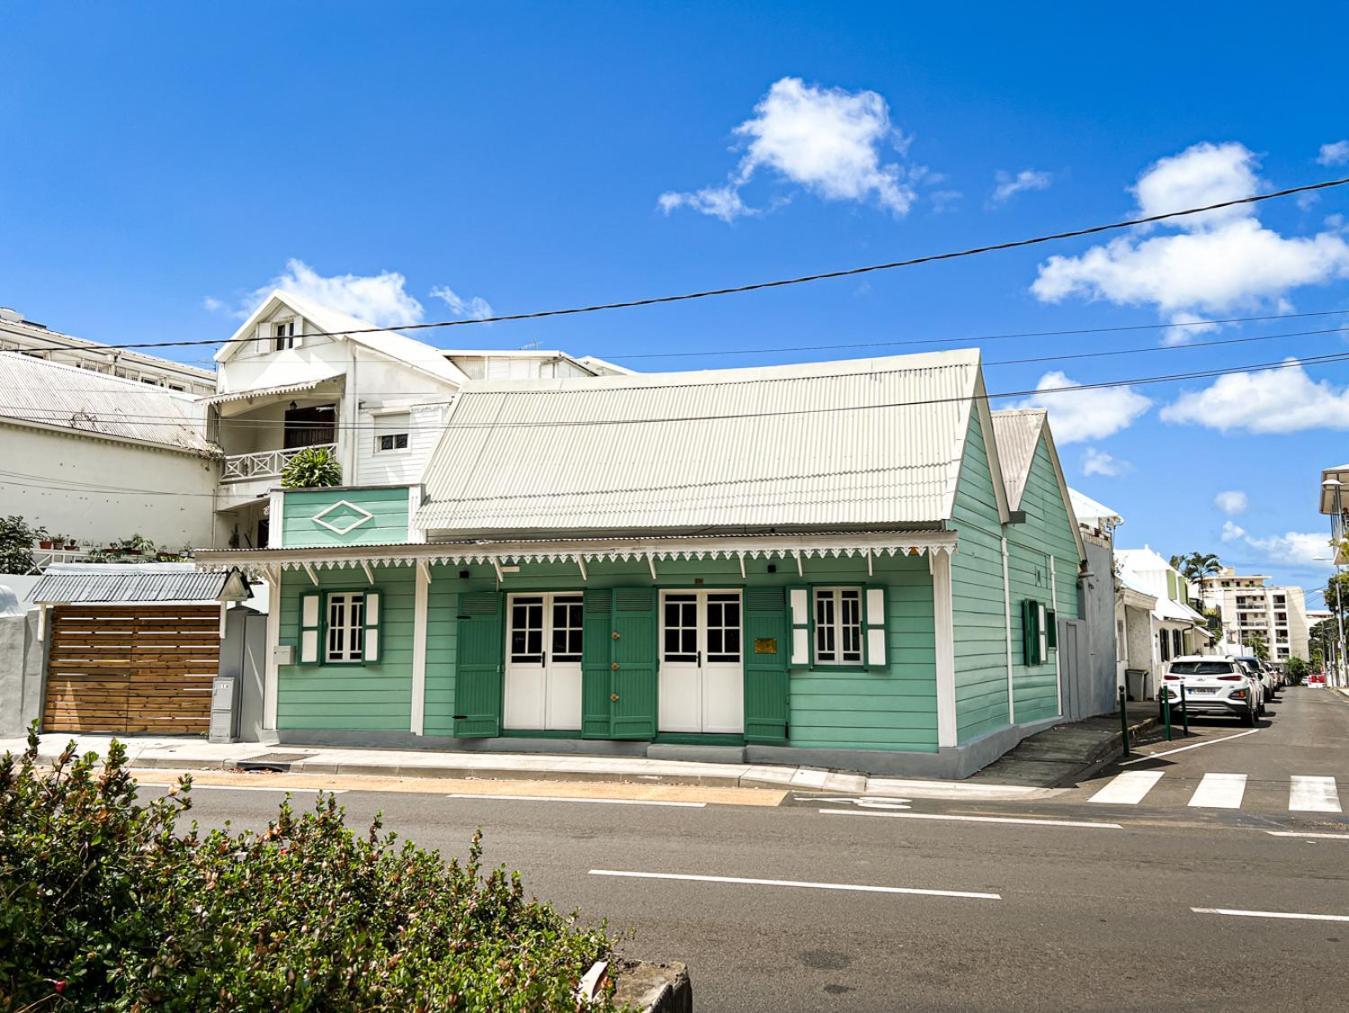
1317,680
1265,673
1214,685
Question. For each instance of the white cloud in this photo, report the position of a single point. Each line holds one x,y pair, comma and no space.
1098,462
1231,502
1284,400
212,304
382,299
1185,326
1293,547
830,141
1008,186
1336,153
1078,415
1211,263
474,308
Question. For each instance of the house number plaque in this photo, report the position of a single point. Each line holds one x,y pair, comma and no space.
766,645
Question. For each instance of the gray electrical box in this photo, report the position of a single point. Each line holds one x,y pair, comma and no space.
224,709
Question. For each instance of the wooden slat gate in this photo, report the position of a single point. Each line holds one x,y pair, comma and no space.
141,668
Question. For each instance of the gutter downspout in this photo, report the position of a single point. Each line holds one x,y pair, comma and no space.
1007,625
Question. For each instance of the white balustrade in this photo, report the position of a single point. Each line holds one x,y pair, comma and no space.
264,464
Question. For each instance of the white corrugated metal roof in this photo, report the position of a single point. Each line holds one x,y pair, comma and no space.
285,388
136,582
1017,431
52,394
1091,512
860,443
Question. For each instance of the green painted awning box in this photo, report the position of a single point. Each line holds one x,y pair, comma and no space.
343,516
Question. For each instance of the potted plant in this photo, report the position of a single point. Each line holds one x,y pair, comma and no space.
44,540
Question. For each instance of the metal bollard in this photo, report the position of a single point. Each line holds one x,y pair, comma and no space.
1166,712
1124,718
1184,711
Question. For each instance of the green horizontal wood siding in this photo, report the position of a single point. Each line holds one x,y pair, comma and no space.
977,603
388,524
370,697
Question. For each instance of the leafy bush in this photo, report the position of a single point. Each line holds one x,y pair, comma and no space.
104,905
16,542
311,468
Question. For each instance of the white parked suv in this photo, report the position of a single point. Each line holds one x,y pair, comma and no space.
1264,673
1214,685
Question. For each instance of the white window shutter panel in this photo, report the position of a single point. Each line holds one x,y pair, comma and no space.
309,629
798,599
877,653
370,645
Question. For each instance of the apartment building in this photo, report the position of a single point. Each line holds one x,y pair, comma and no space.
27,337
1250,607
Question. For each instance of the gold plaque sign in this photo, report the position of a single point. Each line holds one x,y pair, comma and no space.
766,645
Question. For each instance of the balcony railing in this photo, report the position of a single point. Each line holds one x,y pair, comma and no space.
263,464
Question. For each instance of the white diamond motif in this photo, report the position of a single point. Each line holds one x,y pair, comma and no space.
361,516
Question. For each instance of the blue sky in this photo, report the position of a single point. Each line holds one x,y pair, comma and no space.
164,162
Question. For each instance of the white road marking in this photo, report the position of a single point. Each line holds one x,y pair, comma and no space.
1128,788
1219,791
1269,914
864,802
1192,745
974,819
1313,794
802,884
1298,833
569,798
261,787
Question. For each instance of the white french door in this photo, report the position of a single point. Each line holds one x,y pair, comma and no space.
702,686
542,688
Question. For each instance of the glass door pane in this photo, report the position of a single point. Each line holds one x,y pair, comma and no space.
681,627
566,634
526,642
723,627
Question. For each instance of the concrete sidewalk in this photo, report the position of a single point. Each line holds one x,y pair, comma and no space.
170,753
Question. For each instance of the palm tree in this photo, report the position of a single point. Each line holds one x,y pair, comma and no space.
1197,565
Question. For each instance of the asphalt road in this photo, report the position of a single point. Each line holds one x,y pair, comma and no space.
1084,906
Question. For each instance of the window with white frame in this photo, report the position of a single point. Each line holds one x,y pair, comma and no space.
283,335
838,625
391,432
346,626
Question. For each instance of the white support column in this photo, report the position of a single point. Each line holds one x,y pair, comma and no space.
1007,623
273,640
276,508
419,625
416,536
943,629
1054,597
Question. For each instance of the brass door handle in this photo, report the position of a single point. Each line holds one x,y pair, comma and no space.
613,698
613,667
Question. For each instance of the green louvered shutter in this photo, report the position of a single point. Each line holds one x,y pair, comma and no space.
596,641
632,668
1051,630
1030,632
371,645
765,652
478,670
873,627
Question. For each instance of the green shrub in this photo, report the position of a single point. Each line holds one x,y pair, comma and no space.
16,541
311,468
104,905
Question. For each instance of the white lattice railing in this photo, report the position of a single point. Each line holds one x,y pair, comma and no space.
264,464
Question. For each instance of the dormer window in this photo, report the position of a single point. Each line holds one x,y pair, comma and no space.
283,335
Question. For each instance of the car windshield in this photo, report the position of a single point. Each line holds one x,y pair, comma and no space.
1201,668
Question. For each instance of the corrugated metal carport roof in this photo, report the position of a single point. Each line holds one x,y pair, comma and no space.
126,583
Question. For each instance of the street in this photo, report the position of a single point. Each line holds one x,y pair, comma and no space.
1166,901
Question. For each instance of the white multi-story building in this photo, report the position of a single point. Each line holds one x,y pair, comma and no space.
40,342
1250,608
297,374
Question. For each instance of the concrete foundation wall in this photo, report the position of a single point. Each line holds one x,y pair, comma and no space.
21,669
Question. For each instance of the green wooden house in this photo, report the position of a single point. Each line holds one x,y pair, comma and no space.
832,563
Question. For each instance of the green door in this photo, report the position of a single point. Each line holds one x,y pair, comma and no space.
632,670
767,641
481,648
596,640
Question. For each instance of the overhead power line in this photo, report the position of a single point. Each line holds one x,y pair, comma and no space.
758,286
1027,392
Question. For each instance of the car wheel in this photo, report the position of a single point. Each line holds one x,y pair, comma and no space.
1248,719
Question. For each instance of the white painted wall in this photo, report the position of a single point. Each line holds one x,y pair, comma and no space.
376,467
126,478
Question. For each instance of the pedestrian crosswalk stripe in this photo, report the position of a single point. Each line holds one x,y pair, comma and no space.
1313,794
1128,788
1219,791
